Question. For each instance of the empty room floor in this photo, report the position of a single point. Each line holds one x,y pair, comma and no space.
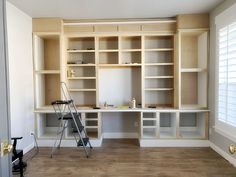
121,158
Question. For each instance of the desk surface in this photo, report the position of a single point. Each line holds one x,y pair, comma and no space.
49,109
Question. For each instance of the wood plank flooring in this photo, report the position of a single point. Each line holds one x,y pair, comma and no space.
124,158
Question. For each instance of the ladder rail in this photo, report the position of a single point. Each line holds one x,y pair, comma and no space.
68,108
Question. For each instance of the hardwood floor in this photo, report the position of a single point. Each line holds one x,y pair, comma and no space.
123,158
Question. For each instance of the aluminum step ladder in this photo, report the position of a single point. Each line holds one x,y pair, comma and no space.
66,111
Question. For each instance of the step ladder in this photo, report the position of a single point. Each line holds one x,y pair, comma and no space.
66,111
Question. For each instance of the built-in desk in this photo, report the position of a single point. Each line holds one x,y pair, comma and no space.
153,127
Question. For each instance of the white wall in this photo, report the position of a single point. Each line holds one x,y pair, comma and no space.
19,29
219,142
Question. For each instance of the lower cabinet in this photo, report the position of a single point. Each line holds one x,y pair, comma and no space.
156,125
48,126
174,125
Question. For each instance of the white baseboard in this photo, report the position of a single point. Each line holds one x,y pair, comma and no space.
120,135
224,154
173,143
28,148
67,143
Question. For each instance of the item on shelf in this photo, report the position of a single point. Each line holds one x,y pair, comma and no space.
71,49
127,63
133,104
152,107
79,62
96,108
71,63
72,73
105,105
90,48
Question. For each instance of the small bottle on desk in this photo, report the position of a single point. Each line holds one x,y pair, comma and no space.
133,103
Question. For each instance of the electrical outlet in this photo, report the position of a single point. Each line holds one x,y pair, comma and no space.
31,133
136,124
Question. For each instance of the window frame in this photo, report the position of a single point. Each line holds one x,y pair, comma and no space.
222,127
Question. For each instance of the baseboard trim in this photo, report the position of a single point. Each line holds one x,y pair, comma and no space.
173,143
67,143
119,135
28,148
224,154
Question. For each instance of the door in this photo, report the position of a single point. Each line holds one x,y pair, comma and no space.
5,160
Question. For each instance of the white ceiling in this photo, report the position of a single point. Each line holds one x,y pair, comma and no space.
106,9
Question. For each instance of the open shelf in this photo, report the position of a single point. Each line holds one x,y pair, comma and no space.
159,98
47,52
92,124
108,58
47,126
149,133
194,90
194,51
149,125
193,126
47,89
158,57
168,125
159,42
80,71
108,43
131,57
165,70
130,42
84,98
159,83
81,44
82,85
81,58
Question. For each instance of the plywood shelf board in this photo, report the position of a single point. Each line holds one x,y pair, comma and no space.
80,51
80,78
159,89
75,65
47,71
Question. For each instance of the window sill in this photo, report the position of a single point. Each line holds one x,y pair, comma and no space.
226,133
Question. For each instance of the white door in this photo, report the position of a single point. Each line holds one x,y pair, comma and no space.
5,160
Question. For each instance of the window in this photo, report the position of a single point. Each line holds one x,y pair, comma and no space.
227,75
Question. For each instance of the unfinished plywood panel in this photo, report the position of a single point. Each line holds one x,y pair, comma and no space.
189,51
131,42
52,88
159,99
106,28
189,88
130,28
162,27
191,21
52,54
46,52
47,25
108,43
84,98
78,29
193,125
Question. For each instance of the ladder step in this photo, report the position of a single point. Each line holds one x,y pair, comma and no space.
62,102
81,128
86,140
